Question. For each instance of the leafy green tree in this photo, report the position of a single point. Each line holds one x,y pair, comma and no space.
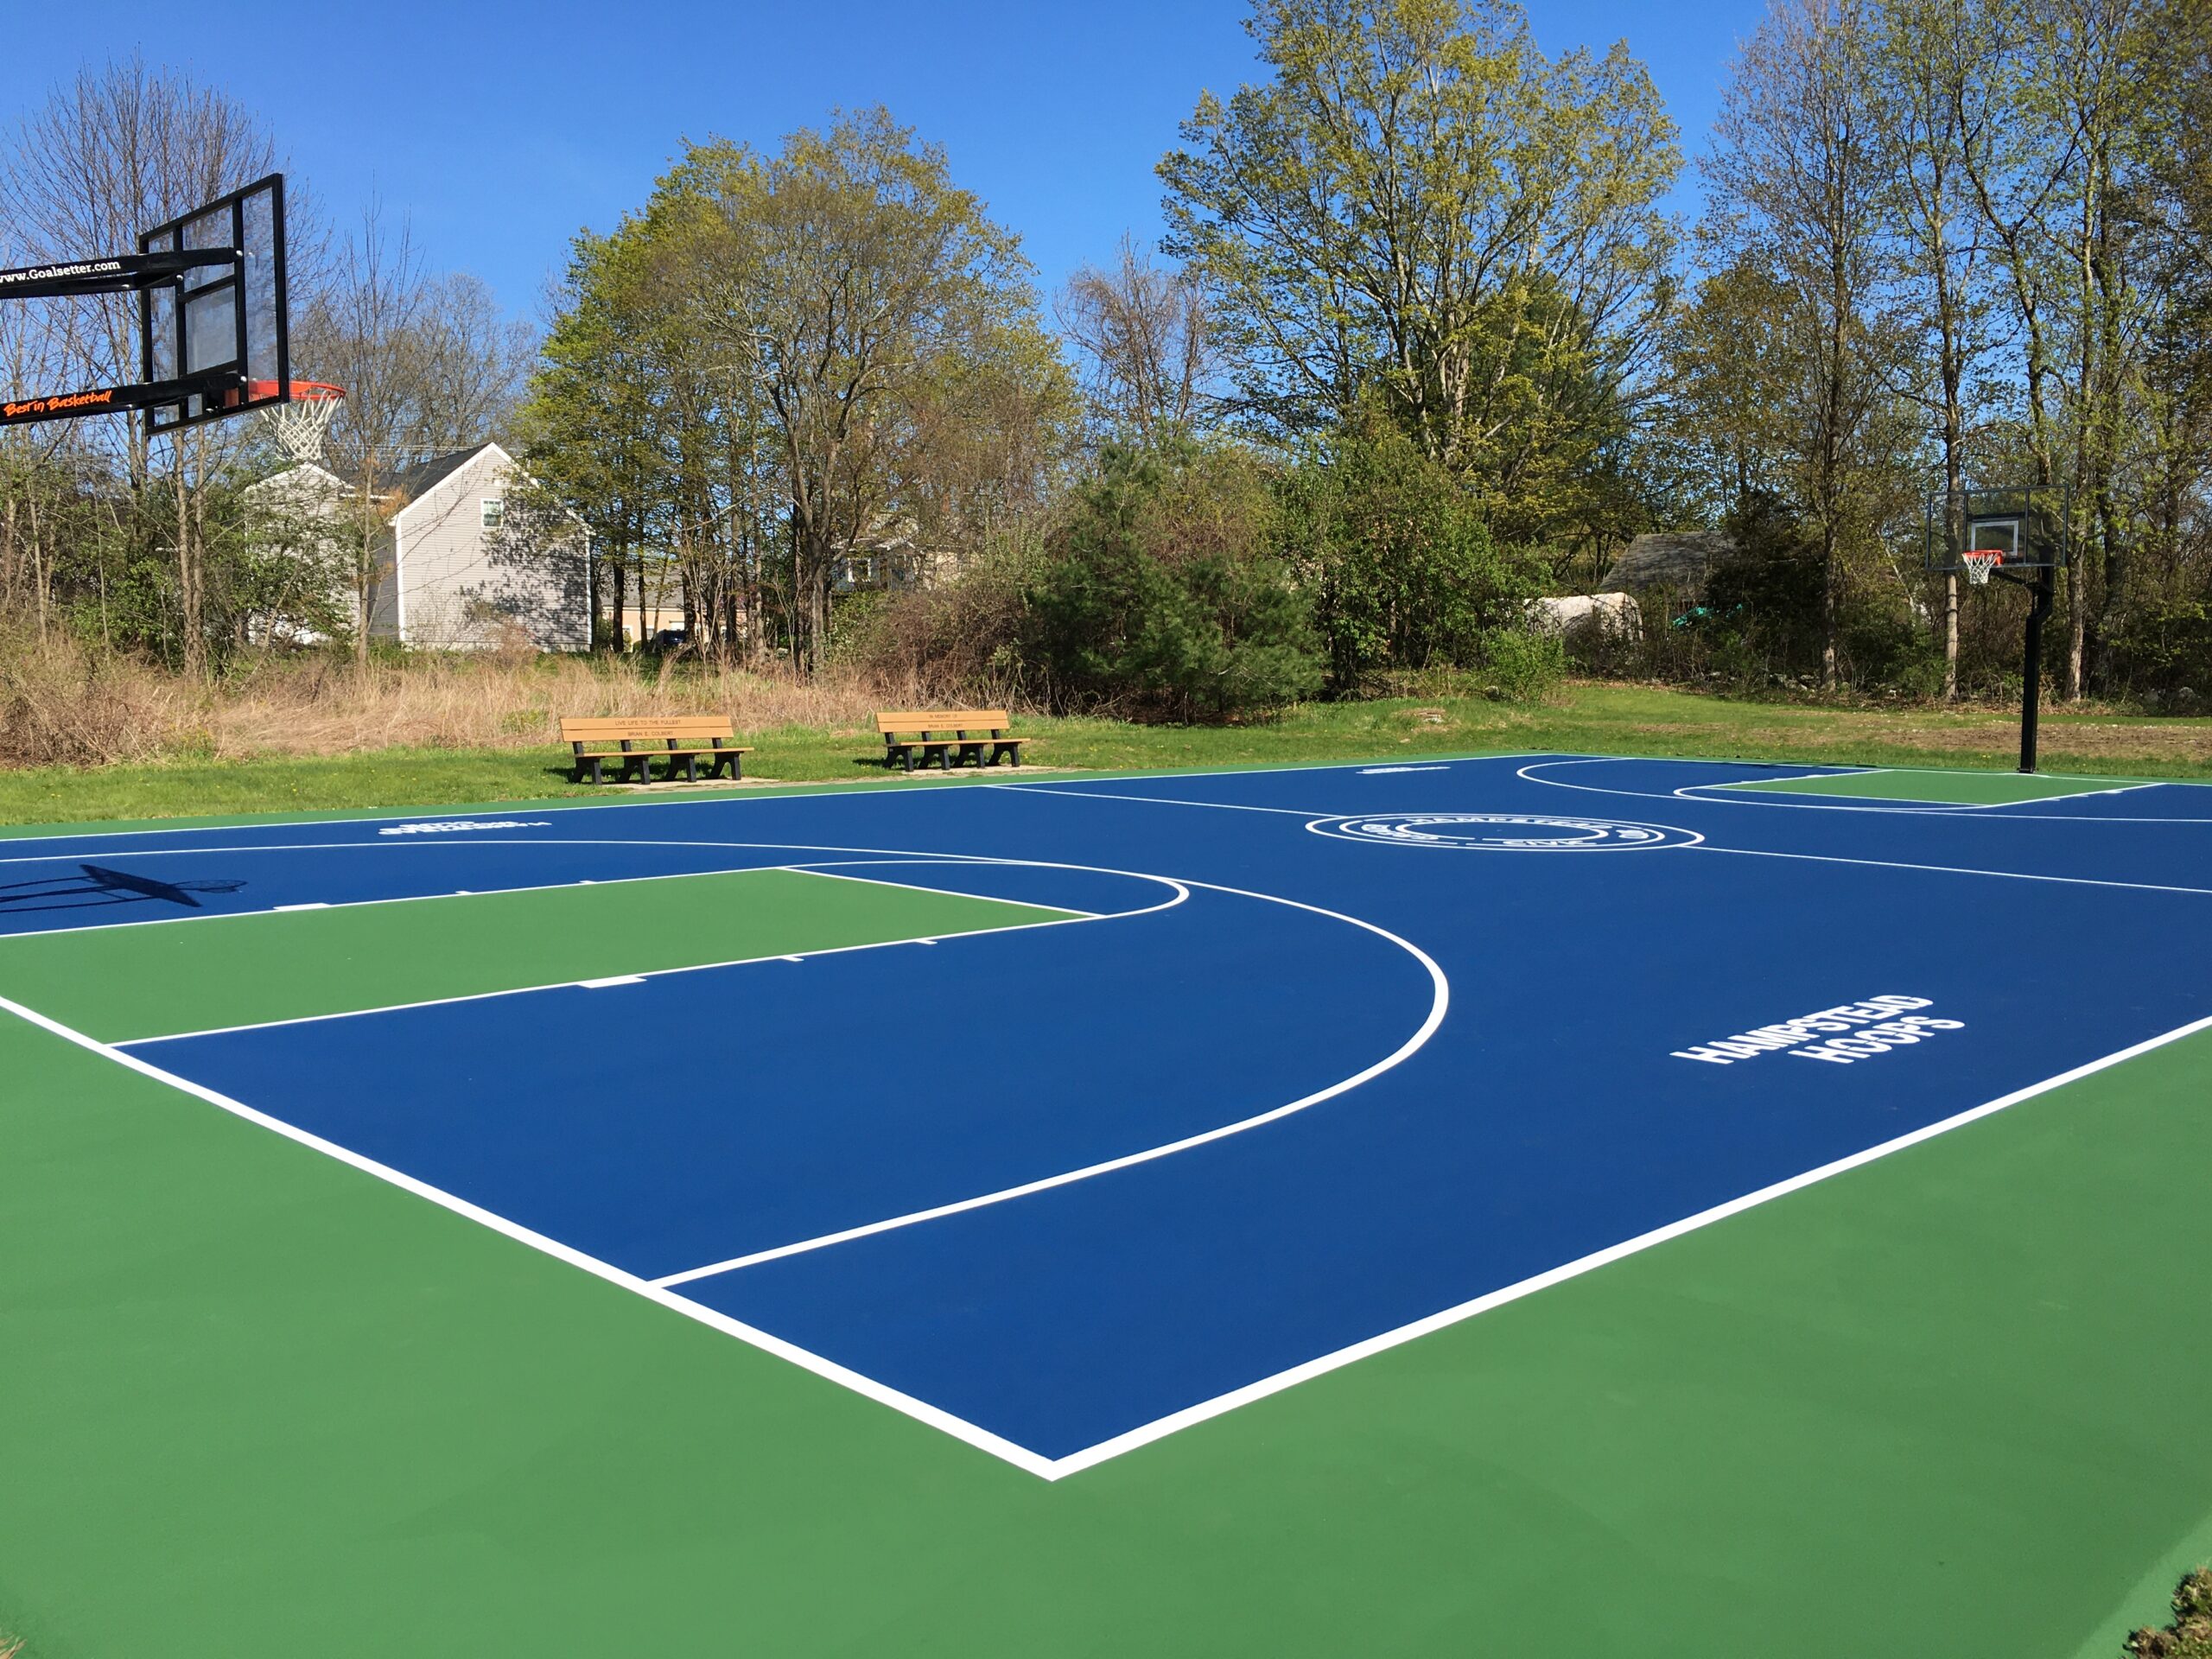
1164,596
1419,201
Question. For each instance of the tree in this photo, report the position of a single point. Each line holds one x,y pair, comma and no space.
1417,200
1797,178
852,271
782,359
1934,115
1148,342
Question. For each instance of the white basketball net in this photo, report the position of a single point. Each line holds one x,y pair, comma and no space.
1980,566
299,426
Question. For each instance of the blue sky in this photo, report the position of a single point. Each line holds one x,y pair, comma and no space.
500,128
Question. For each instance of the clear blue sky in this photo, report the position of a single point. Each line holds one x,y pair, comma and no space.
501,127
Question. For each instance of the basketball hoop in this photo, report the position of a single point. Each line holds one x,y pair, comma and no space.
1980,565
299,426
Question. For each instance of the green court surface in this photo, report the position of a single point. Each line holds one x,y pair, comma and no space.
121,983
256,1403
1946,788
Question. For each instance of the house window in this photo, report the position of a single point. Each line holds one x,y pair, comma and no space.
495,509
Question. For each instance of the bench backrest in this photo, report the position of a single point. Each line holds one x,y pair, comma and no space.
941,720
650,728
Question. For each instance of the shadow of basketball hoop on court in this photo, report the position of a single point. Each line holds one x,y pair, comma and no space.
95,886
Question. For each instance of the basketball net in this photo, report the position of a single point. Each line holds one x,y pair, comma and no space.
300,426
1980,566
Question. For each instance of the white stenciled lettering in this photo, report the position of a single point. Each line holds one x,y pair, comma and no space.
1842,1035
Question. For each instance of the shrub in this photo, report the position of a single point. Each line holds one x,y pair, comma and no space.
1523,667
2189,1636
1402,571
1162,596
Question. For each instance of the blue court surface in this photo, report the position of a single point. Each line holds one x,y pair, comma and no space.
1311,1061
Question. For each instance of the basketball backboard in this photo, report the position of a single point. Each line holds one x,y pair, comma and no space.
222,331
2025,524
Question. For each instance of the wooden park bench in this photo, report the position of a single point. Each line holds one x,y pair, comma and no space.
685,738
950,735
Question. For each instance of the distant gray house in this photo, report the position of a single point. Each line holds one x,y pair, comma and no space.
1680,561
456,571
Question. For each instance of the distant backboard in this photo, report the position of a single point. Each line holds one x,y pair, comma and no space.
2024,523
223,330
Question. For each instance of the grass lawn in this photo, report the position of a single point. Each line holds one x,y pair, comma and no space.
1583,719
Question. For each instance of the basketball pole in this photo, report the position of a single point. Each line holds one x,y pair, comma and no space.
2031,667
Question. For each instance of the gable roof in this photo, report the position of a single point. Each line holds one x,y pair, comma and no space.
419,478
423,479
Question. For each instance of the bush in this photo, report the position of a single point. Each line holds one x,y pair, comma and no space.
2189,1636
2163,655
1523,667
1401,569
1163,597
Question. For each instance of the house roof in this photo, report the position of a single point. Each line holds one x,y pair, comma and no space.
418,479
412,482
1680,561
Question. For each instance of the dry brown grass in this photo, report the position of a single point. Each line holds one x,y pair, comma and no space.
61,705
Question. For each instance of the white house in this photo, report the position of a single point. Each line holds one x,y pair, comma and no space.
455,569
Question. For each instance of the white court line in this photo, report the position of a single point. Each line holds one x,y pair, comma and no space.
1951,870
951,861
1053,1469
1181,894
363,904
1163,800
920,1410
1441,1002
1685,791
1528,773
799,791
1190,1415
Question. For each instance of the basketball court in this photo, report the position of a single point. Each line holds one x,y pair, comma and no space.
1069,1130
1513,1204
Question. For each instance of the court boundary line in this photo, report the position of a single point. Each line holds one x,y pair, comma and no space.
1953,869
363,904
798,791
1054,1469
1525,773
1773,785
920,1410
1190,1416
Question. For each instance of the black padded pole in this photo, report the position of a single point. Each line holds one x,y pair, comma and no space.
2032,671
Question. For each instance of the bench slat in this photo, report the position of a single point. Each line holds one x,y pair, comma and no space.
941,720
598,729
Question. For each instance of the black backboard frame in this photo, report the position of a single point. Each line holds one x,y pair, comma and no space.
219,371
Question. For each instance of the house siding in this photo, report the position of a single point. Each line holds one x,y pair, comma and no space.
459,589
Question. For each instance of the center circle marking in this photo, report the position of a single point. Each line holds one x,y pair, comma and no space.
1505,832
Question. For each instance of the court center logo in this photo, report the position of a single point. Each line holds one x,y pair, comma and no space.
1505,832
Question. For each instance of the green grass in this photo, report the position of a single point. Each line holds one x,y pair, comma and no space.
1588,719
202,974
259,1404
